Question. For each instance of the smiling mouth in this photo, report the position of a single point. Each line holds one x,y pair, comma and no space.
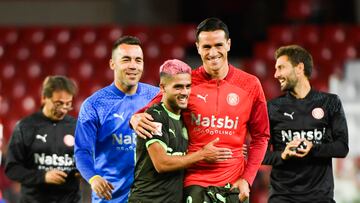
183,99
282,82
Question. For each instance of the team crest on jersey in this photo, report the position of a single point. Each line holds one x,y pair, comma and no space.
69,140
318,113
232,99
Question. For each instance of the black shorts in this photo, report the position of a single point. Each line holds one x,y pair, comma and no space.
211,194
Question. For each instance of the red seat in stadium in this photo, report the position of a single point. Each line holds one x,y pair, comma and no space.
9,124
71,51
19,52
321,52
334,34
31,71
298,10
172,51
281,34
58,34
152,50
8,71
4,106
307,34
3,51
141,32
18,89
32,35
45,51
8,74
109,33
257,67
98,51
151,71
265,51
103,71
164,35
85,35
9,35
353,34
344,51
271,88
55,67
82,71
186,34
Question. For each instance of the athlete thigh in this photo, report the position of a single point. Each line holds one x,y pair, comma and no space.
194,194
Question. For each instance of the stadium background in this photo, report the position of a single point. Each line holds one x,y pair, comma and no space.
74,38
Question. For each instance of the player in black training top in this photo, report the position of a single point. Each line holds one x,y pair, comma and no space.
160,160
41,150
308,128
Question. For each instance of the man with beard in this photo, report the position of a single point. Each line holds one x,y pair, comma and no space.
41,153
104,141
308,128
227,103
159,173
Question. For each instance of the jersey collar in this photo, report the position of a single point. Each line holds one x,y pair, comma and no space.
208,77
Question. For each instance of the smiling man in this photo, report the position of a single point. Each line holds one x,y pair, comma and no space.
161,159
41,150
227,103
104,142
308,128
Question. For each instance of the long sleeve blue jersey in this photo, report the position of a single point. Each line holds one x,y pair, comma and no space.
104,141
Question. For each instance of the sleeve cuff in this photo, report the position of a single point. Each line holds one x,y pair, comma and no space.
92,178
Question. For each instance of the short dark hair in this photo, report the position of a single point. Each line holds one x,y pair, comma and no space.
126,40
212,24
58,83
296,55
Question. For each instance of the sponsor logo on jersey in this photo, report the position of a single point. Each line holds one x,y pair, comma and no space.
124,142
41,137
318,113
202,97
315,135
214,122
232,99
121,115
53,159
290,115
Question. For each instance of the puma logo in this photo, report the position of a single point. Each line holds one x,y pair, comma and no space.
172,131
42,138
289,115
202,97
121,116
157,111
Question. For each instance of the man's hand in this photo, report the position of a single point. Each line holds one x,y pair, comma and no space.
101,187
244,189
288,151
55,177
143,125
292,149
213,154
300,153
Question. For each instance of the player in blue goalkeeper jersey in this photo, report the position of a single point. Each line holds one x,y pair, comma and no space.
104,141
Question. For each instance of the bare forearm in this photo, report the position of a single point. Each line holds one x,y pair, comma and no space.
168,163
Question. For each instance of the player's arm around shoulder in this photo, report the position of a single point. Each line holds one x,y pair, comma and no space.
166,163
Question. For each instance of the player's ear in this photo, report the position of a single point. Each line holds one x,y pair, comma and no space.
112,64
300,69
162,88
43,100
228,44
